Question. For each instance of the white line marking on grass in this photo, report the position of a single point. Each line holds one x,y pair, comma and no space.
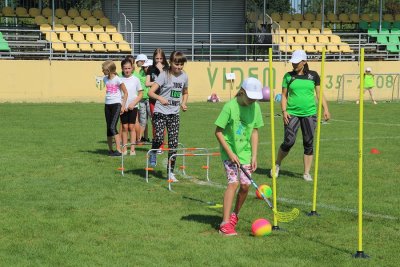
371,122
305,203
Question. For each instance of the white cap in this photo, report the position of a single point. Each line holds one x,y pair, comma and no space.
141,57
368,69
253,88
298,56
148,63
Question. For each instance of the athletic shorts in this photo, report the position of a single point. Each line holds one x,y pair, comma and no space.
129,117
232,170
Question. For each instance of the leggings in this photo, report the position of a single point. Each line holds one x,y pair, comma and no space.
111,112
171,122
307,125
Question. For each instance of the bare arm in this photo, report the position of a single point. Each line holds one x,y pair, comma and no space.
327,115
148,82
284,100
152,94
125,98
185,96
232,156
254,149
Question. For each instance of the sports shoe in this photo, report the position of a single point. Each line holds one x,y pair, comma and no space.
375,102
233,219
116,154
153,159
227,229
307,177
159,152
357,102
110,152
132,153
125,153
173,178
276,171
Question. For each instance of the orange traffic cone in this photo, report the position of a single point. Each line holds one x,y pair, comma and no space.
374,151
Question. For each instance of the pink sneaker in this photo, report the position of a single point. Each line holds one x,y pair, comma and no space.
233,219
227,229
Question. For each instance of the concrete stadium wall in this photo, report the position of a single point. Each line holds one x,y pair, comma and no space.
75,81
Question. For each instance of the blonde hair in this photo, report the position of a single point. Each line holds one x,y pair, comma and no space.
110,66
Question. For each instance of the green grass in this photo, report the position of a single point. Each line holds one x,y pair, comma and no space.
63,202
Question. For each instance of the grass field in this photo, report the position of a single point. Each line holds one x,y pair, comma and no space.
64,203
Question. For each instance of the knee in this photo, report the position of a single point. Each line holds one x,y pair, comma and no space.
244,188
308,148
286,146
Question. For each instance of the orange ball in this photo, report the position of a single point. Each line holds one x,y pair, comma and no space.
265,189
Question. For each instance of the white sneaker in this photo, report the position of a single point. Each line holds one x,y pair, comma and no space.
173,178
307,177
132,153
125,153
276,171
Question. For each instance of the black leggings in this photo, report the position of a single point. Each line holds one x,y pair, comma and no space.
171,121
308,125
111,112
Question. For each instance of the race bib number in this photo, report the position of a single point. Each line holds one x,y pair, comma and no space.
175,94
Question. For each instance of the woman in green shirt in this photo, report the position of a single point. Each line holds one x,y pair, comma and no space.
369,84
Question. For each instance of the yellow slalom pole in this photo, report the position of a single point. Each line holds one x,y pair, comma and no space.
272,112
360,252
320,96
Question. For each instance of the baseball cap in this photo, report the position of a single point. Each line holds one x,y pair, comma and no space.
298,56
253,88
368,69
148,63
141,57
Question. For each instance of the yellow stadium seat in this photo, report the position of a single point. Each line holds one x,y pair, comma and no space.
8,11
39,20
315,31
91,37
302,31
335,39
34,12
59,28
85,28
73,13
309,48
295,47
319,47
58,47
285,48
50,20
45,27
78,37
323,39
365,17
112,47
97,47
300,39
66,20
332,48
91,21
72,28
52,37
21,12
388,17
332,18
344,18
312,39
319,17
60,12
98,28
289,39
397,17
47,12
117,37
295,24
72,46
98,13
326,31
306,24
298,17
124,47
345,48
275,16
284,24
309,16
104,21
317,24
374,16
291,31
287,17
104,37
78,21
85,13
111,28
354,17
65,36
85,46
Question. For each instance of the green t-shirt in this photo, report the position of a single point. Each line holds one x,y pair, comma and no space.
238,123
301,99
141,75
369,81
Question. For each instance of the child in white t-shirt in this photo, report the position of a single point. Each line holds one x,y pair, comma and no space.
113,105
135,94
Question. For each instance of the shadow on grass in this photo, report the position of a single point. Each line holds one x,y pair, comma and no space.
212,220
159,174
282,173
97,151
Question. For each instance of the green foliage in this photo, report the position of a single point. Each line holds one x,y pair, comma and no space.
64,203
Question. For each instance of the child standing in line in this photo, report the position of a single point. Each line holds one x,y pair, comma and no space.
144,106
237,133
369,84
113,105
173,85
128,118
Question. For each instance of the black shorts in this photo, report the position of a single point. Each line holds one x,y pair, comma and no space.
129,116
